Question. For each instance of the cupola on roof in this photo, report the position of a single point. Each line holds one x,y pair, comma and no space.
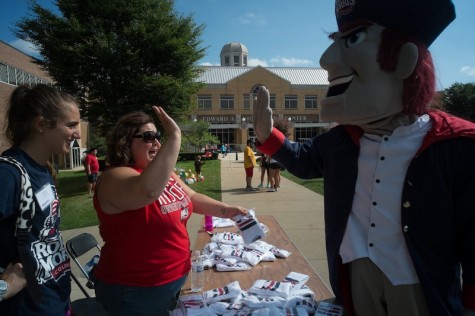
234,47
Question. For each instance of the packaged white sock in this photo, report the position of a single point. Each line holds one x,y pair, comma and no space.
249,227
230,291
227,238
270,288
194,305
296,279
328,309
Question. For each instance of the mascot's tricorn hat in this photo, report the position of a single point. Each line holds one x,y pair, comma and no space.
421,19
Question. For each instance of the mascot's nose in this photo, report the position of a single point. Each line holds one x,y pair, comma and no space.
331,58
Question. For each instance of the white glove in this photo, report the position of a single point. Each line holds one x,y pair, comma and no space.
262,115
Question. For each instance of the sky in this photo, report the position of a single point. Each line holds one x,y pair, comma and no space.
283,33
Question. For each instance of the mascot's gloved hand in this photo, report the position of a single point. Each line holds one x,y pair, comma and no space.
262,115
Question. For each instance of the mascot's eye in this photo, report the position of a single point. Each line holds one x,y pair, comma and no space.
355,37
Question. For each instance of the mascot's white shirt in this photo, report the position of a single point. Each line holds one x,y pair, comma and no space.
374,225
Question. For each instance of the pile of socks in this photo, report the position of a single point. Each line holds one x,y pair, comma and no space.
289,296
228,252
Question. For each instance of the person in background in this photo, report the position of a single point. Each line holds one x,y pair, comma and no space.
264,166
399,176
274,175
224,150
249,164
274,166
143,208
42,121
198,164
91,165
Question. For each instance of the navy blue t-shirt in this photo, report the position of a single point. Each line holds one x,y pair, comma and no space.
52,266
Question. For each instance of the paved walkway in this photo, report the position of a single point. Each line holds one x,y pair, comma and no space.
297,209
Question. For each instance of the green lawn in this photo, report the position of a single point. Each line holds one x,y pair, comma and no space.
76,206
316,185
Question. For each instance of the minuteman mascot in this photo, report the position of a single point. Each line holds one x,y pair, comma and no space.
399,177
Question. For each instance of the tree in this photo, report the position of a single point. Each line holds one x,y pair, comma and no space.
195,135
118,56
459,99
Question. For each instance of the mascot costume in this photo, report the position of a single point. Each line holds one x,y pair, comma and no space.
399,177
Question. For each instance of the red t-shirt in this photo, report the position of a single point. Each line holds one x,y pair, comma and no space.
92,161
148,246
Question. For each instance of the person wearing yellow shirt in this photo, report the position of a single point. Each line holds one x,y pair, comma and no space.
249,164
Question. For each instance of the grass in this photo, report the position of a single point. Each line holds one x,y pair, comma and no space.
316,185
76,206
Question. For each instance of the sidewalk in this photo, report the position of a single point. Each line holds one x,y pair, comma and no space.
297,209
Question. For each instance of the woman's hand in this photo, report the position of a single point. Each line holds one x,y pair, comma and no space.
169,125
15,278
231,211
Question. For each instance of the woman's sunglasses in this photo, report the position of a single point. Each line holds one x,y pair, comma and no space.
148,136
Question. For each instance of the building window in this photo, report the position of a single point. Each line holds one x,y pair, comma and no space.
310,101
204,102
246,102
272,101
303,134
244,63
226,60
225,136
236,61
226,102
16,77
290,102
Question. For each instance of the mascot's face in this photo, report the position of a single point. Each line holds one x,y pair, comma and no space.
360,93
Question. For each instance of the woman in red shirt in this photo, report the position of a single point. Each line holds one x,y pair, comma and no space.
143,208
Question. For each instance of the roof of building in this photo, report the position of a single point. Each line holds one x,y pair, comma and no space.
294,75
234,47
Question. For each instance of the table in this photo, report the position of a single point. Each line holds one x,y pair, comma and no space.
275,270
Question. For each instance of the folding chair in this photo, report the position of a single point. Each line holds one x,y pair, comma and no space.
77,247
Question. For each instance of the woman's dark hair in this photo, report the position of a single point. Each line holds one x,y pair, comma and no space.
27,102
120,138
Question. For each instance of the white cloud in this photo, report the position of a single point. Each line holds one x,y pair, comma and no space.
290,62
274,62
467,70
253,62
26,47
209,64
251,18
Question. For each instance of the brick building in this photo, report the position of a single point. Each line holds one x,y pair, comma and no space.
17,68
225,101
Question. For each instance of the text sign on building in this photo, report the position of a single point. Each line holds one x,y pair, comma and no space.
217,118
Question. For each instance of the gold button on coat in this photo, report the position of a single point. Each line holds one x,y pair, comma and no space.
407,204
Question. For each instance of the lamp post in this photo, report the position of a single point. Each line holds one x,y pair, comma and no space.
243,122
290,129
194,121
